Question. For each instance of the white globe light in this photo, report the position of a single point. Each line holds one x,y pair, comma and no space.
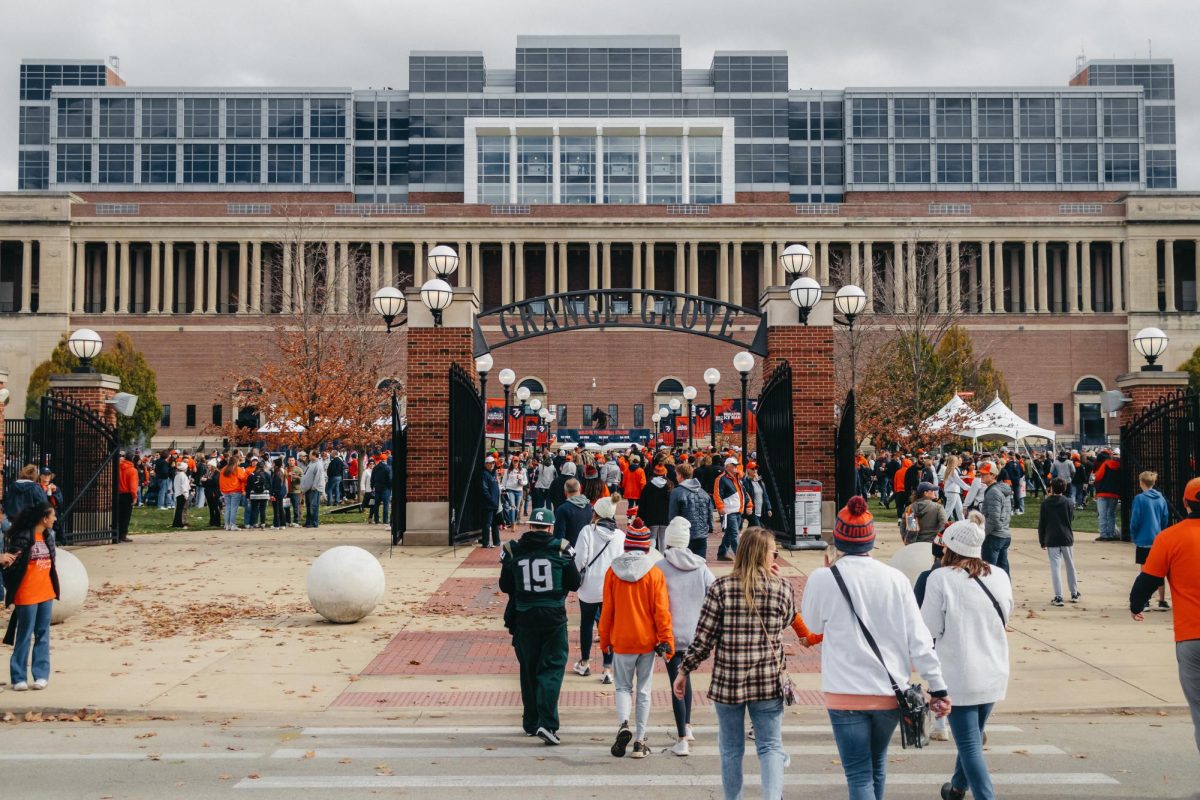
484,363
849,301
1151,342
523,393
388,302
743,362
535,404
85,343
712,376
345,584
656,417
507,377
689,393
674,404
796,259
436,294
805,293
72,586
442,260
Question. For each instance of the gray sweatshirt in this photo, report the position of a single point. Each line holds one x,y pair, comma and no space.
688,579
997,510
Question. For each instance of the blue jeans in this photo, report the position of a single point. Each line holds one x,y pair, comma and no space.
512,504
164,486
970,770
232,501
312,508
333,492
382,500
862,740
33,622
733,524
995,551
767,718
1106,507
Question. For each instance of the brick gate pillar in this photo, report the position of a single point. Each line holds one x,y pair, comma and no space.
1143,388
431,351
92,390
809,350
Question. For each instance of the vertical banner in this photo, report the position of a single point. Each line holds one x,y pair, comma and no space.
494,424
701,422
514,423
753,418
730,416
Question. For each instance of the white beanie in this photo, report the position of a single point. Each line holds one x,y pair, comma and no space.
568,469
965,538
679,533
605,508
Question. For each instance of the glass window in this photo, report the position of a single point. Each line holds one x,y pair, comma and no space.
953,117
116,163
1122,163
243,163
74,163
1121,117
561,412
1032,414
871,163
1079,117
327,163
397,166
35,125
1037,117
798,170
165,420
534,170
285,118
364,166
116,117
33,169
954,162
620,170
834,166
869,119
831,123
285,163
158,163
1058,413
1160,169
704,165
1160,124
364,121
664,169
397,121
612,415
74,118
577,169
1038,163
639,415
912,118
996,163
217,413
158,118
492,176
201,118
243,118
189,416
200,163
1080,163
327,119
995,117
912,163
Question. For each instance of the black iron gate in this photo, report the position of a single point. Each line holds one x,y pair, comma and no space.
466,455
845,449
775,440
1165,438
399,474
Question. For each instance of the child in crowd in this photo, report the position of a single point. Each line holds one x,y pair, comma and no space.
1147,518
1057,538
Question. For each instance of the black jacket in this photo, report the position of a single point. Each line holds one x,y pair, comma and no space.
381,476
336,468
570,519
21,542
652,506
256,483
1054,522
278,485
490,485
22,494
557,490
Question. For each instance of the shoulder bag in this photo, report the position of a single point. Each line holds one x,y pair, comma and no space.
995,604
786,687
914,707
599,553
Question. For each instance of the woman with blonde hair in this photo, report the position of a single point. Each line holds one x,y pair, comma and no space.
742,623
954,487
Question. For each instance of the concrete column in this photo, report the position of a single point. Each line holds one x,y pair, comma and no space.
593,265
1089,301
781,276
477,269
344,277
737,273
139,281
464,264
225,287
300,301
898,277
287,279
506,276
680,273
942,289
973,288
1028,293
152,304
723,274
1118,277
124,295
197,293
419,265
110,278
824,277
911,283
26,276
551,253
855,266
80,276
651,261
693,280
985,274
519,274
168,299
955,276
1043,273
606,264
1057,300
331,278
1169,273
243,303
563,284
374,268
256,277
1073,277
767,267
999,279
637,265
210,305
868,272
389,264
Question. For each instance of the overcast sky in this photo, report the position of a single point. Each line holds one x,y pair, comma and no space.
832,44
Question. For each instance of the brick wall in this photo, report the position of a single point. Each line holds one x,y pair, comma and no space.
809,350
94,398
1142,396
431,351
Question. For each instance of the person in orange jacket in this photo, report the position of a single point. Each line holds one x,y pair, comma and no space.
636,594
633,482
127,490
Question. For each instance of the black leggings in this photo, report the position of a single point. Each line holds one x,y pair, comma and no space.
589,615
681,708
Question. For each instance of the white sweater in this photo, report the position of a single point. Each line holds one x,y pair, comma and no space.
970,638
596,546
885,602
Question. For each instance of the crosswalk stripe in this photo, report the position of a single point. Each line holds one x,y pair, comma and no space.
430,753
209,756
332,782
502,730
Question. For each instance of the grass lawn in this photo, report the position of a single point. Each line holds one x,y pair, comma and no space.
1086,520
149,519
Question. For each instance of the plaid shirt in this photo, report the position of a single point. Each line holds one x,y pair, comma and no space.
746,664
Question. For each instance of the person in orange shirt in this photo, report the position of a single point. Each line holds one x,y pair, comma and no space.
233,488
127,489
31,584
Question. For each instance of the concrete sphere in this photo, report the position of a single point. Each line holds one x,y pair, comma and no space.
913,559
72,585
345,584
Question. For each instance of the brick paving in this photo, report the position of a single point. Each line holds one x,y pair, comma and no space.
512,699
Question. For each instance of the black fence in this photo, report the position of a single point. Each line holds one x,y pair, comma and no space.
1165,438
399,474
845,449
465,456
775,442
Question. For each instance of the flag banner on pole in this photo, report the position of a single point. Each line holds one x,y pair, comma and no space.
702,422
495,417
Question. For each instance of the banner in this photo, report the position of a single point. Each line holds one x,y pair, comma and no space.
730,416
603,436
494,423
701,423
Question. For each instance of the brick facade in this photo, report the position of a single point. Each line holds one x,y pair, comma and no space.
809,350
90,390
1145,388
431,351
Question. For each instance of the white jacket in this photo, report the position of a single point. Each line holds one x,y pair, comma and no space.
953,483
514,479
181,484
884,600
971,642
604,545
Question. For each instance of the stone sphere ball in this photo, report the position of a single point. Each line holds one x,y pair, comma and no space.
72,585
345,584
913,559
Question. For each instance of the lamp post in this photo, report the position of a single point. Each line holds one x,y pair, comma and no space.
805,294
689,394
712,376
796,259
656,418
388,303
507,378
674,405
436,293
850,301
1150,344
85,344
743,362
483,365
522,398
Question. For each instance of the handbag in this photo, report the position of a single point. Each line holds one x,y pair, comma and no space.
914,707
786,686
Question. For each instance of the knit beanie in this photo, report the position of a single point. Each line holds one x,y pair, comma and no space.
637,536
854,528
660,470
605,508
679,533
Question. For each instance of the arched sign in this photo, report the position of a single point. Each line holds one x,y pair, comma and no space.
620,308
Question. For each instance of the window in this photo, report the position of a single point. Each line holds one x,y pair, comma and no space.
1160,124
1121,162
398,166
577,169
664,169
327,163
158,118
218,413
669,386
704,168
116,163
954,163
74,118
200,163
612,415
1032,416
1037,163
869,118
953,117
1160,169
996,163
285,163
1037,117
364,121
243,118
35,125
397,121
243,163
620,169
1089,385
327,120
189,416
165,420
995,117
74,163
533,385
1079,163
871,163
285,118
587,417
534,170
1121,117
201,118
1058,413
33,169
560,414
912,118
116,117
912,163
364,166
639,415
1079,117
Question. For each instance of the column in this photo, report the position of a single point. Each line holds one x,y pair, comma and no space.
389,265
563,284
723,274
210,305
138,284
549,267
519,274
651,261
124,295
26,275
593,265
80,276
942,297
693,280
1118,277
606,264
1057,300
286,280
464,264
506,276
680,274
766,268
973,288
911,272
225,287
868,272
1089,304
555,168
331,278
955,277
898,277
1000,278
110,279
477,268
344,277
1169,273
1028,293
824,277
256,280
1044,275
300,299
1072,277
169,278
781,276
243,304
152,305
985,273
419,266
737,274
637,265
374,268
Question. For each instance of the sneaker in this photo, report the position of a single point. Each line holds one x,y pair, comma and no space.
1058,601
939,734
1163,605
606,678
548,736
39,684
582,668
1075,597
950,793
640,750
750,733
20,686
680,748
623,737
689,735
721,557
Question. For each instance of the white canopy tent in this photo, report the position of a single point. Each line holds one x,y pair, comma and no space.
1000,421
956,412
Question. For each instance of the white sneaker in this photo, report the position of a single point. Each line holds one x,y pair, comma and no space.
688,733
21,686
681,747
40,684
582,668
939,735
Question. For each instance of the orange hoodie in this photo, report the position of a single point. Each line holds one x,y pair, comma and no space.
127,478
636,593
635,481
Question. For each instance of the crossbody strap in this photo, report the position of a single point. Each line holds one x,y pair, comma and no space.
995,604
598,554
837,576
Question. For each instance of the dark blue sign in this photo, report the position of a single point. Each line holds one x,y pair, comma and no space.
603,435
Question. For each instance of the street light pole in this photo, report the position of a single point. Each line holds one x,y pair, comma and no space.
743,362
689,393
712,377
507,378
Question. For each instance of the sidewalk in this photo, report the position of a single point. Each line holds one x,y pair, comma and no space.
216,623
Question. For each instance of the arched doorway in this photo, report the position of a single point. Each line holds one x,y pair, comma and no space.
1089,419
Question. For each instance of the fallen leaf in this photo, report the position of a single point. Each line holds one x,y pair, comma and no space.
254,776
146,735
225,776
310,754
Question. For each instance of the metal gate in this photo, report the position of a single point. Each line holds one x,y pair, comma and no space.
845,449
466,455
775,440
1165,438
399,474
